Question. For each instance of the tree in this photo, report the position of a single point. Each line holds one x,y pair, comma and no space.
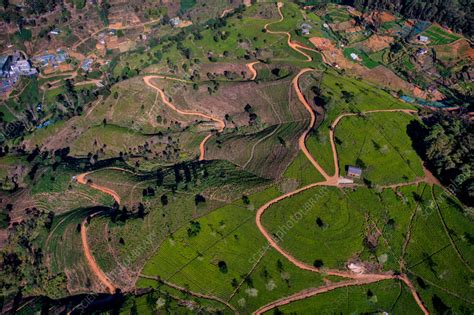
245,200
222,266
318,263
319,222
49,220
199,199
141,211
164,200
194,229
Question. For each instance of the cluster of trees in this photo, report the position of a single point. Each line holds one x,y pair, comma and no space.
444,143
458,15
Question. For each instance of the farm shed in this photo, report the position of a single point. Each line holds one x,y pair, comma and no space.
353,171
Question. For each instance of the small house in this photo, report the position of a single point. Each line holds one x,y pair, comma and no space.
353,171
175,22
423,39
305,28
421,52
86,64
55,31
355,57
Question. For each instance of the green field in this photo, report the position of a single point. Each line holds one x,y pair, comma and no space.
439,36
361,97
378,143
228,235
366,60
389,296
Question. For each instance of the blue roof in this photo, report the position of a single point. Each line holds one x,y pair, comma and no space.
354,170
407,99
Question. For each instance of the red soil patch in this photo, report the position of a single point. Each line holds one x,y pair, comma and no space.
379,17
376,42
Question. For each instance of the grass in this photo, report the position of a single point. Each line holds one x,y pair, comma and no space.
337,15
116,139
185,5
439,36
365,97
302,171
379,144
228,234
366,60
430,254
40,135
334,244
390,296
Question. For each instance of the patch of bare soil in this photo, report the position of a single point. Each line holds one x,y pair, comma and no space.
380,75
460,49
376,43
343,26
379,17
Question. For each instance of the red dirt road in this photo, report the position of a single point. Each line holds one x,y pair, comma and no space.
357,279
302,139
81,179
91,261
295,46
220,122
252,70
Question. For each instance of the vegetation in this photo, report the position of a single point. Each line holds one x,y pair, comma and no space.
449,13
444,142
378,143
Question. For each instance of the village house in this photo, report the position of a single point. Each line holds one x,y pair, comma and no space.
423,39
175,22
353,171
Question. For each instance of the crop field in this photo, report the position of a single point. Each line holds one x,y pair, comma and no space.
227,235
337,15
335,243
439,36
386,296
64,251
366,60
268,157
360,96
302,171
345,219
55,191
437,252
116,243
378,143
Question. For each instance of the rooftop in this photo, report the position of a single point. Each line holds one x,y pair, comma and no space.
354,170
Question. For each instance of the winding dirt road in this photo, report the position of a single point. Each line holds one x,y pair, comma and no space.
81,179
251,67
220,122
294,45
356,279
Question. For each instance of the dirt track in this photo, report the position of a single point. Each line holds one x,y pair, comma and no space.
220,122
81,179
358,279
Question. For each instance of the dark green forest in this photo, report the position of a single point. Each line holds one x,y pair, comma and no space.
444,142
456,14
